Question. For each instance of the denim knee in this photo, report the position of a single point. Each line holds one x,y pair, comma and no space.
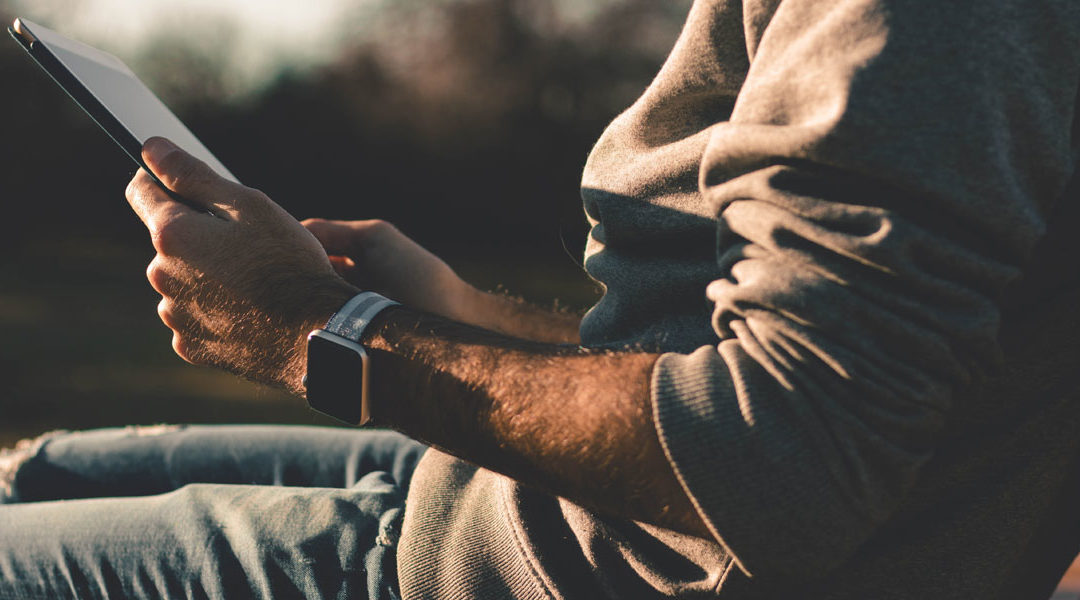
27,472
265,542
12,460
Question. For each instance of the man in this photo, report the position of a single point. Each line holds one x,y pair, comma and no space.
876,199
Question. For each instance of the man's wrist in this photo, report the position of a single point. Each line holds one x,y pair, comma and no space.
325,297
337,378
353,318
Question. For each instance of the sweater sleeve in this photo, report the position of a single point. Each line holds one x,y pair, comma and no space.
884,175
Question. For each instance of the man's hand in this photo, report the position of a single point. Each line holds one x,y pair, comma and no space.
374,255
241,289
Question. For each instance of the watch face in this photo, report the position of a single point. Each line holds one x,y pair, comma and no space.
335,376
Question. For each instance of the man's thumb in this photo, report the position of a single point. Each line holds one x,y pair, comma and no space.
180,171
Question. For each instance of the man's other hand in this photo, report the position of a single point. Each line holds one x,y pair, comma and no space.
241,287
374,255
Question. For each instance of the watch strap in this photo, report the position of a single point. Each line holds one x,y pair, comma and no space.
345,329
353,318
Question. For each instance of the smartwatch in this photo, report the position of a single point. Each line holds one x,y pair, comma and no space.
337,365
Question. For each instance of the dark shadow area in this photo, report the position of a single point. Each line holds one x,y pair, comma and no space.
470,135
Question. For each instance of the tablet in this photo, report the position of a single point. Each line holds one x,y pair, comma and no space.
110,93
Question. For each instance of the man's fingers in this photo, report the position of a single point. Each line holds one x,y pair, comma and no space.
186,175
169,222
348,238
185,348
342,264
178,170
172,316
146,197
160,279
336,237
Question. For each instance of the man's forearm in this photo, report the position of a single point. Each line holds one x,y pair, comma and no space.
575,423
517,318
572,422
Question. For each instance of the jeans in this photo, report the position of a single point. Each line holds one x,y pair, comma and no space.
207,512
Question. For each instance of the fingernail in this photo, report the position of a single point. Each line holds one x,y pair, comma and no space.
158,148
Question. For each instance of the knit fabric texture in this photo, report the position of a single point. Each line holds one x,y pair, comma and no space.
848,226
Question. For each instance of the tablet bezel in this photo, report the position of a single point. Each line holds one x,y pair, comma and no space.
78,92
91,105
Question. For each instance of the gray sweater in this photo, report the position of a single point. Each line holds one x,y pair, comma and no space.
850,227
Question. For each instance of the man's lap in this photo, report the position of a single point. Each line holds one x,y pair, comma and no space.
243,511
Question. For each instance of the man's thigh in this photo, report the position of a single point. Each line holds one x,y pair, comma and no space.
207,541
138,461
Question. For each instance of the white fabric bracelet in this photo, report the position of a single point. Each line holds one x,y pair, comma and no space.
352,319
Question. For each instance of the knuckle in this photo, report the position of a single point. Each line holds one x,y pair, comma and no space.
250,203
254,195
186,175
166,310
183,348
138,186
178,169
157,276
169,235
380,226
378,230
256,202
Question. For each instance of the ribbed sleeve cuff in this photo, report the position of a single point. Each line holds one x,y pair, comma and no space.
690,395
744,483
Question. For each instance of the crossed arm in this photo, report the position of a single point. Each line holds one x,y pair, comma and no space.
484,377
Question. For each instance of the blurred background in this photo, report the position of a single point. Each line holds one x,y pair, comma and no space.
464,122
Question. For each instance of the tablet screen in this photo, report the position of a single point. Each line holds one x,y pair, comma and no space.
121,93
